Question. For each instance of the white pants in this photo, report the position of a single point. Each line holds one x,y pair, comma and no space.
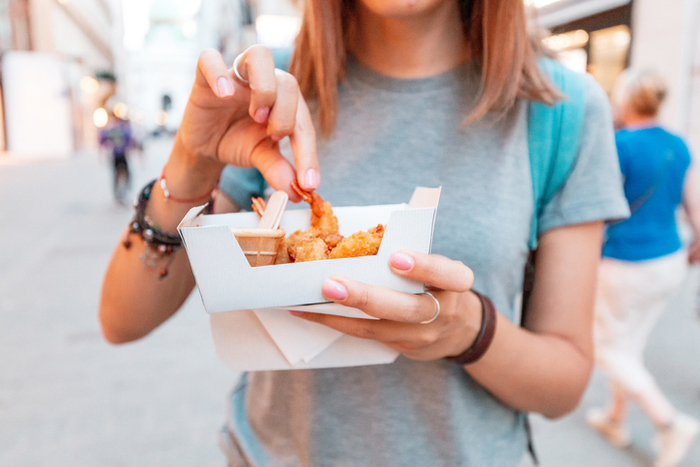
630,300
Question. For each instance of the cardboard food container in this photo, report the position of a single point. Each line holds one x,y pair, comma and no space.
226,281
251,328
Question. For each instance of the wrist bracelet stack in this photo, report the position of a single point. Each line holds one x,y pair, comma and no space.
158,244
485,335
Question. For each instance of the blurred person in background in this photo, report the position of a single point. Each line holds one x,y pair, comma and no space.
403,94
116,137
643,264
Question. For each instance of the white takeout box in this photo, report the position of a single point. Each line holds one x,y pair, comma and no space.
248,305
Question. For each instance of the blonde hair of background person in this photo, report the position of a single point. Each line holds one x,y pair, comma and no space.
638,95
542,367
643,264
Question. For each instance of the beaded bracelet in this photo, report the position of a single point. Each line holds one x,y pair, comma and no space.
168,196
157,243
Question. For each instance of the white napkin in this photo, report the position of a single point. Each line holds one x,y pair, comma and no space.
296,338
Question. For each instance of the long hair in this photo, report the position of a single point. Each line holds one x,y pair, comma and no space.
495,29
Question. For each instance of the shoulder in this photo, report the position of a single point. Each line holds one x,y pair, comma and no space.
577,86
680,148
677,139
674,140
596,101
582,91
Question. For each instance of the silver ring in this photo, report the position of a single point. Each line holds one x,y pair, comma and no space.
437,310
235,69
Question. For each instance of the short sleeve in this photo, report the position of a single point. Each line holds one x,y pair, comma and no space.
242,184
594,189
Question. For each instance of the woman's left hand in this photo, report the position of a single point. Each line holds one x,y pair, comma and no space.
401,315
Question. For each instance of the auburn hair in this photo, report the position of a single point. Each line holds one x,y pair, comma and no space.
496,31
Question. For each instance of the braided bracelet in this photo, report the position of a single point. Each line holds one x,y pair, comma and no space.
484,337
157,243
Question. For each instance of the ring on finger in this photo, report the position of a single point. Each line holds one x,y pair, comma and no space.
437,309
235,69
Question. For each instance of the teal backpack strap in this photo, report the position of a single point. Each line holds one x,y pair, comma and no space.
554,135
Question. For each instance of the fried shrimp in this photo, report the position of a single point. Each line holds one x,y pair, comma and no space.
359,244
322,240
305,246
323,221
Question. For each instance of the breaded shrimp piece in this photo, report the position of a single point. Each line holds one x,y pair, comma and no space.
313,249
323,221
359,244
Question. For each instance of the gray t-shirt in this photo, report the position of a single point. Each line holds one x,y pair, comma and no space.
393,135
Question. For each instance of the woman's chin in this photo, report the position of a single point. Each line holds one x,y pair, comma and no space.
402,8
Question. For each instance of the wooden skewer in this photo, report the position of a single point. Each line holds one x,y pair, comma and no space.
272,214
259,205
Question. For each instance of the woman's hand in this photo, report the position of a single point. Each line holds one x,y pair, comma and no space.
227,121
400,314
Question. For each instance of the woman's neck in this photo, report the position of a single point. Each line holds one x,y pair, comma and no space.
410,46
639,121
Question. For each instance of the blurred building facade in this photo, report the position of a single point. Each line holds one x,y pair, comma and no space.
53,52
160,72
606,36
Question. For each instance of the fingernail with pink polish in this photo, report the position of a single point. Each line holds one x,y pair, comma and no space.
224,87
333,289
311,179
261,114
297,313
401,261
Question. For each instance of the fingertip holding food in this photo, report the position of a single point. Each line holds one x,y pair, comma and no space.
334,290
311,179
224,87
401,261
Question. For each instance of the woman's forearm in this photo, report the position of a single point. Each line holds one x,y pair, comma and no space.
532,372
545,366
134,299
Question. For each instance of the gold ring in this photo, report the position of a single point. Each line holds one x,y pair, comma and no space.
437,310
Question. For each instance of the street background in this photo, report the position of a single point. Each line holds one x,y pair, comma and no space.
67,398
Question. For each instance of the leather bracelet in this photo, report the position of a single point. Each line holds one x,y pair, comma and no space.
483,339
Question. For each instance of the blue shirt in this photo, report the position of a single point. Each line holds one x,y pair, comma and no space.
649,157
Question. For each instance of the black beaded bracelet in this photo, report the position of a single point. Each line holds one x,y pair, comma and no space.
484,337
157,243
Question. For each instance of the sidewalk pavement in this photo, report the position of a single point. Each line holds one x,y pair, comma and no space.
672,357
69,399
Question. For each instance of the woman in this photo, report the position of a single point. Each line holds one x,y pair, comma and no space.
643,264
404,94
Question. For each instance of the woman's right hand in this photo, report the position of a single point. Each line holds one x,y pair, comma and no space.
227,121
